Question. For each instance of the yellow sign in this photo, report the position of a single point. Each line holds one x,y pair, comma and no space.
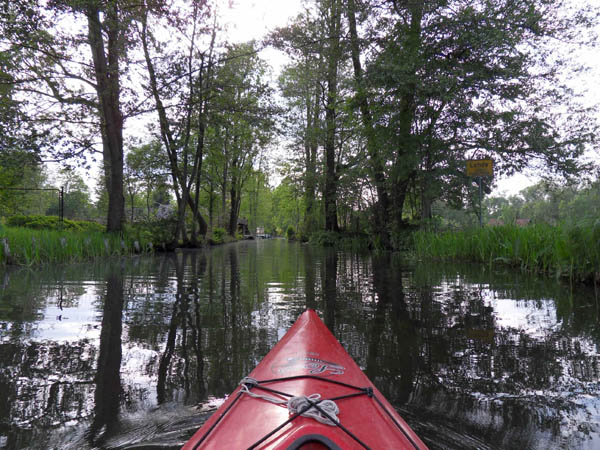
480,168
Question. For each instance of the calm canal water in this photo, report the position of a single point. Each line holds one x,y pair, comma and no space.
137,353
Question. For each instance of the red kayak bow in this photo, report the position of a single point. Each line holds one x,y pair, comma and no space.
307,393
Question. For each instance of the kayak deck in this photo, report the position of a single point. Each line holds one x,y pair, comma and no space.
307,360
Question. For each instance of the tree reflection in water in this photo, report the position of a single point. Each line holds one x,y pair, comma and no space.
472,359
392,350
107,397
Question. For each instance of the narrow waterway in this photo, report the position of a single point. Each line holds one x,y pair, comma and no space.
137,353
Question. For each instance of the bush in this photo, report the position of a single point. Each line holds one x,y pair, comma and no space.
346,241
218,235
38,222
159,232
290,233
325,238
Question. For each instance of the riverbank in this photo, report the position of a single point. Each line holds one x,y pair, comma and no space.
32,240
563,251
27,247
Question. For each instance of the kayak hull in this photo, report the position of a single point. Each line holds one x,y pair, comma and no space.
307,360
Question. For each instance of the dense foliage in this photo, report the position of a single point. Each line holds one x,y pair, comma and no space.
379,106
53,223
420,87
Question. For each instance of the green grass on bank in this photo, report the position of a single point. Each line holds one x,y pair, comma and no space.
563,251
30,246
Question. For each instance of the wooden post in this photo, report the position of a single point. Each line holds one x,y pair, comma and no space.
136,246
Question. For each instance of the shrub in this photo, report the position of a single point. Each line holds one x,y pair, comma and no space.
218,235
325,238
161,231
290,233
38,222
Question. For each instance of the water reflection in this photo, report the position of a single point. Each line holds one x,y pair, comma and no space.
394,341
132,352
107,397
184,336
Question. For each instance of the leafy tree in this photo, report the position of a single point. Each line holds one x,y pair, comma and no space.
286,206
72,76
549,202
21,169
242,122
332,12
257,201
76,196
179,80
146,167
363,102
300,84
445,81
314,89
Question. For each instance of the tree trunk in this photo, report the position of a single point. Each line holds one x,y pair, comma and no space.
148,192
311,146
426,213
373,150
211,203
224,181
198,219
132,204
232,223
405,164
106,71
235,194
330,191
190,158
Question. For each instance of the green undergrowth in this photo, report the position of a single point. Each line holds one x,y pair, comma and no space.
344,241
562,251
218,236
29,247
38,222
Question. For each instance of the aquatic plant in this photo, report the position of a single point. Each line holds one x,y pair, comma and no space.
25,246
563,251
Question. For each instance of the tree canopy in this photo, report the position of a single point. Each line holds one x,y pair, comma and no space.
380,104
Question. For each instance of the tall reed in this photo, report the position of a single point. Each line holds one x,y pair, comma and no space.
29,247
564,251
